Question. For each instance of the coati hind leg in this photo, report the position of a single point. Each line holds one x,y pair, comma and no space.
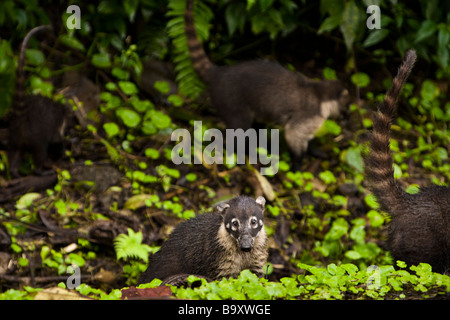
40,159
298,133
179,280
14,160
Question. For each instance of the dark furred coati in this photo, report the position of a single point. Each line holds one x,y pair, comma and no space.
35,122
217,244
265,92
420,226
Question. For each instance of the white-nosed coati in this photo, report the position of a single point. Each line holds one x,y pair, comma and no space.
217,244
420,226
35,122
265,92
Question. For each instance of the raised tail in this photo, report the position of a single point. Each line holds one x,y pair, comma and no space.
200,61
379,163
19,92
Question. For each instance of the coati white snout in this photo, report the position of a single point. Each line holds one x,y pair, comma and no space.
420,227
263,91
35,122
217,244
242,228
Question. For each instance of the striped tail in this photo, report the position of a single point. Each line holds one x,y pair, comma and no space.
200,61
379,163
19,92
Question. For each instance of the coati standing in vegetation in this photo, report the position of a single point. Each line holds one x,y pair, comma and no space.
218,244
264,91
420,226
35,121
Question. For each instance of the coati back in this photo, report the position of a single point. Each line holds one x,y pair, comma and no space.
217,244
420,226
264,91
35,121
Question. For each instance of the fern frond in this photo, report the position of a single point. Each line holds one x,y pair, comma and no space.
188,82
130,246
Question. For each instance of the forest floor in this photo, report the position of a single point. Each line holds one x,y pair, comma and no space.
319,215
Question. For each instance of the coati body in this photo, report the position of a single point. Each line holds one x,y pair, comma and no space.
263,91
420,226
218,244
35,122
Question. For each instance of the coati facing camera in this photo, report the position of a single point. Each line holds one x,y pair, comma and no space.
420,226
264,91
35,122
217,244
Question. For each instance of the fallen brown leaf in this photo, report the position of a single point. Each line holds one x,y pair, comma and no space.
132,292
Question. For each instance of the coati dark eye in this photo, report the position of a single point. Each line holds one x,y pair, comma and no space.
235,223
253,222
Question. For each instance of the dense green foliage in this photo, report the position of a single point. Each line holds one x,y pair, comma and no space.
326,232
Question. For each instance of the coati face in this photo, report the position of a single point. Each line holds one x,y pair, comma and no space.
243,220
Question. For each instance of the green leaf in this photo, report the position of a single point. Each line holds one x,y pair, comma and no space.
375,36
412,189
354,159
360,79
129,117
375,218
427,28
152,153
164,170
329,127
259,22
35,56
101,60
160,120
130,7
111,129
162,86
120,73
350,268
76,259
43,87
443,49
72,42
329,74
176,100
130,246
128,87
353,255
148,128
235,17
333,127
191,177
358,234
429,90
26,200
141,105
351,23
265,4
329,24
371,201
338,229
327,177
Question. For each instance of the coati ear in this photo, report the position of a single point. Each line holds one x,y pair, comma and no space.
222,206
261,201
